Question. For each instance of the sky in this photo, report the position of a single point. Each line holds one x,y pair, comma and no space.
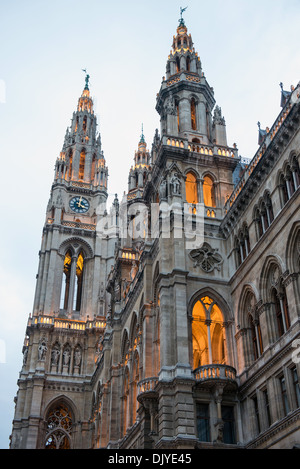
247,47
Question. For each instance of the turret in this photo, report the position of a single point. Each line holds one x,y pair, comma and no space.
81,158
139,172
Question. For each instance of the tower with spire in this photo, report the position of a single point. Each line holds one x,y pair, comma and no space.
69,311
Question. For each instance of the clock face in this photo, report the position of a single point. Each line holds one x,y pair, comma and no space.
79,205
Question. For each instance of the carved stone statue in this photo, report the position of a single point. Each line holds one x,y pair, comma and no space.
175,185
67,356
170,106
133,271
25,355
163,190
77,357
55,355
42,351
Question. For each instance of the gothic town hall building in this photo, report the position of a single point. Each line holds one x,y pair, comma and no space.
170,320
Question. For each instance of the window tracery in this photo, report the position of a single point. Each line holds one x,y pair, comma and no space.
207,333
59,424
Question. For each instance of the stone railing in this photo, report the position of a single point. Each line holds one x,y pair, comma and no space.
82,226
71,324
147,386
215,372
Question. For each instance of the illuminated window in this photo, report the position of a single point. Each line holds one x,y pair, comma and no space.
78,284
81,165
177,64
71,296
66,281
84,123
193,115
209,192
70,164
191,189
207,332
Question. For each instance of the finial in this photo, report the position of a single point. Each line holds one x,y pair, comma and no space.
181,21
142,136
258,123
87,78
281,85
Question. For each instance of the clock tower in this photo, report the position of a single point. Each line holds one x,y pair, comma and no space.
69,311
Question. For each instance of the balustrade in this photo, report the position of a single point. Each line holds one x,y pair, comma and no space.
215,372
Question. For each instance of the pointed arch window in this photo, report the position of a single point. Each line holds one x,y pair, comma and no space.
207,333
193,114
256,337
70,165
177,65
81,165
65,290
281,310
191,192
209,192
84,124
59,424
72,281
78,283
93,168
284,191
276,295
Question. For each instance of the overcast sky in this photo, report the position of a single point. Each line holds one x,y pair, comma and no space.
247,47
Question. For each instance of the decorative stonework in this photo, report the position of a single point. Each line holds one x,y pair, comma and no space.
207,258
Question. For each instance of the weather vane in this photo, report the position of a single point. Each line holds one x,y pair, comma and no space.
87,78
182,10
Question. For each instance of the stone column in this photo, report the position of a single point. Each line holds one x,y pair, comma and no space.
202,124
185,115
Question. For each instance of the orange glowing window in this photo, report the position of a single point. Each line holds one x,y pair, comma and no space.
70,165
81,165
84,124
193,115
191,189
208,333
209,192
93,167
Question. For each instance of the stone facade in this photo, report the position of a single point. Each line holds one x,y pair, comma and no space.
171,321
